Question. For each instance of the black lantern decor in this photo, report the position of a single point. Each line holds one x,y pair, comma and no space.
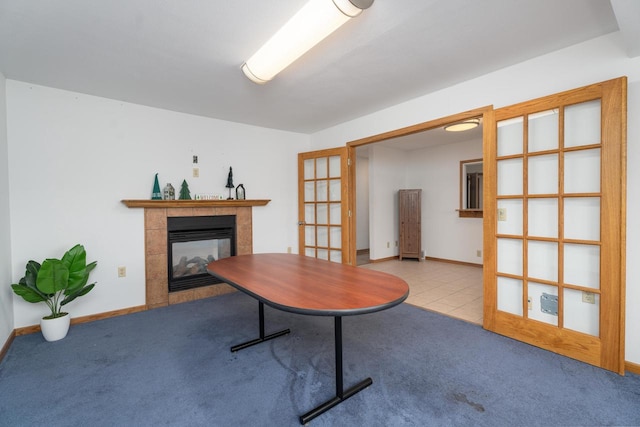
230,182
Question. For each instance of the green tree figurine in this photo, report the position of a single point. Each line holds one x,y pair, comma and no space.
185,194
156,194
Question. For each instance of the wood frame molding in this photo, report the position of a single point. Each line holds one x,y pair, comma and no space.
141,203
84,319
7,344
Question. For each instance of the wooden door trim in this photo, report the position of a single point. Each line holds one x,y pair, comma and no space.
489,224
431,124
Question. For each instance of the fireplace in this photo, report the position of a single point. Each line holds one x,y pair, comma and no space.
192,243
156,215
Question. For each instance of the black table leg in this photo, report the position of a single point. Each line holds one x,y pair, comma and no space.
341,394
262,335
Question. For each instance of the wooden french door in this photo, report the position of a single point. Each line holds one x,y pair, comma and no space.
323,226
554,223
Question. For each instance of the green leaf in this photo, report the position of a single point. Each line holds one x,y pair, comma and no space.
31,274
53,276
76,261
47,282
29,294
77,294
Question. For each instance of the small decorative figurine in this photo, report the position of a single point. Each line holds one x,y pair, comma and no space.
240,195
156,194
230,182
185,194
169,192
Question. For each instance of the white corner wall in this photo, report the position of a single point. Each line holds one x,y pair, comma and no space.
632,331
74,157
362,203
6,305
594,61
384,182
436,170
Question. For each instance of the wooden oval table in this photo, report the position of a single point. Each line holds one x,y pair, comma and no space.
311,286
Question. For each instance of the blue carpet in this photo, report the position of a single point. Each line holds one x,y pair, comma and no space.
172,366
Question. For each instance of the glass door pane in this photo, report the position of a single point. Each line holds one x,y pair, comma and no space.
582,124
582,265
510,140
543,131
510,177
582,311
582,218
543,217
582,171
510,217
543,174
510,295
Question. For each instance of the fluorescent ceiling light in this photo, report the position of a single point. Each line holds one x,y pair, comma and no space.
315,21
462,126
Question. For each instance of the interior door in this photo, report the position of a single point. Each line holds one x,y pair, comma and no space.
322,205
554,223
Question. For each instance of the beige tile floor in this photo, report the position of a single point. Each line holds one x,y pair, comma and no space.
447,288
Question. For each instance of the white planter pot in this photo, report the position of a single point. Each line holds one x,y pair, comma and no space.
55,329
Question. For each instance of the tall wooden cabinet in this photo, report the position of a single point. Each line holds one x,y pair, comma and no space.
409,213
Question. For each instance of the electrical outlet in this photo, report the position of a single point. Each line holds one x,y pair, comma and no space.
122,271
479,253
588,297
196,172
388,245
289,249
396,243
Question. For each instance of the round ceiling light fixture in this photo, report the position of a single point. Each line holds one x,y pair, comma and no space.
462,126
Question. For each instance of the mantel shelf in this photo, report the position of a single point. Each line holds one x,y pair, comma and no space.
159,204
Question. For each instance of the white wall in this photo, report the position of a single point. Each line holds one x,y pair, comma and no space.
436,171
362,203
74,157
6,305
597,60
384,182
632,331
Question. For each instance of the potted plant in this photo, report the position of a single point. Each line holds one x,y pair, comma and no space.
56,282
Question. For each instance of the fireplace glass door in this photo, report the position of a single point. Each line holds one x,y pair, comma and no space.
194,242
191,258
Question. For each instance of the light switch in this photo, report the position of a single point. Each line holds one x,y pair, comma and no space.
502,214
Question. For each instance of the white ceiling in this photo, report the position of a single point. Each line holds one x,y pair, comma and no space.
185,55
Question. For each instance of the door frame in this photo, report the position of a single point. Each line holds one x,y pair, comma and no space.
483,112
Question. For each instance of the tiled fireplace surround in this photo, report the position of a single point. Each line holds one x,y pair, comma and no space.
156,268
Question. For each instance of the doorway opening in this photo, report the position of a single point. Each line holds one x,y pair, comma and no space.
427,157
